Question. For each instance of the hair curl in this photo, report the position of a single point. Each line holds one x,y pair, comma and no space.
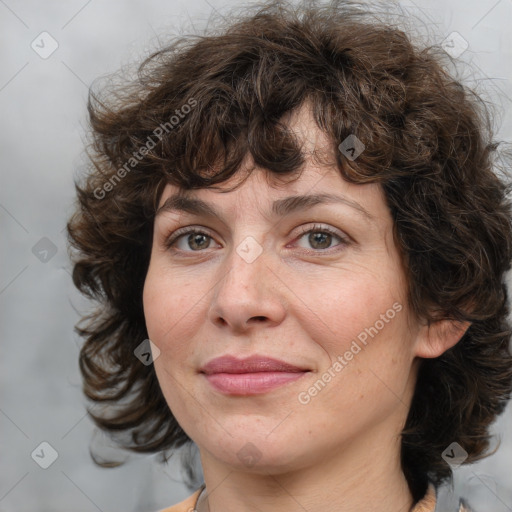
428,142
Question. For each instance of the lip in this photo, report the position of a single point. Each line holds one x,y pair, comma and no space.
250,376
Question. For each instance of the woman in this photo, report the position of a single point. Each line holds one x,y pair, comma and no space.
302,214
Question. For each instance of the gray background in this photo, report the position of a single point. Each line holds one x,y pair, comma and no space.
42,107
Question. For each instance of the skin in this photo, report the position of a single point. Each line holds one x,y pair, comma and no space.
304,302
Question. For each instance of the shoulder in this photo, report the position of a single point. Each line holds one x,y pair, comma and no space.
429,502
187,505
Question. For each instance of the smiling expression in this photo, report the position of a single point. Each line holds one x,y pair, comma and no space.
295,273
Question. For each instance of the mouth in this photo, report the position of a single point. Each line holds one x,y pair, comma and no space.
250,376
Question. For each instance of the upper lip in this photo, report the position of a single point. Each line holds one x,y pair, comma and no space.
252,364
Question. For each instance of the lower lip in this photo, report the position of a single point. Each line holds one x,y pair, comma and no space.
251,383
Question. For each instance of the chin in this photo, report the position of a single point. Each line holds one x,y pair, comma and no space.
257,454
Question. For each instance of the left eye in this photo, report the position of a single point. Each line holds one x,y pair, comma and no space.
320,238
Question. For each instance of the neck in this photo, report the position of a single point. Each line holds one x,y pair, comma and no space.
341,482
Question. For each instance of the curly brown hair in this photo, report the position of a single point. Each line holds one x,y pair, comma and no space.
213,99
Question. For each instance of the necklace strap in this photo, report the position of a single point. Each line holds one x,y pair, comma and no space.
203,487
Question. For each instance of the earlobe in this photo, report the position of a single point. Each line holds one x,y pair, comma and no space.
437,337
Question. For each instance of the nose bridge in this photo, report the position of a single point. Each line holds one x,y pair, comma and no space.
246,268
245,290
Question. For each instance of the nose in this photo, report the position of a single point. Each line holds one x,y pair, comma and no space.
248,294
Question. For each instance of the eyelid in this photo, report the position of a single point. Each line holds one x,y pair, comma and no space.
345,239
170,239
319,227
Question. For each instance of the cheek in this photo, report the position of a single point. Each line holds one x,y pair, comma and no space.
170,305
153,300
341,310
166,323
363,320
362,383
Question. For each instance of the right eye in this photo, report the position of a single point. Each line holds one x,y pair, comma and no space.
190,238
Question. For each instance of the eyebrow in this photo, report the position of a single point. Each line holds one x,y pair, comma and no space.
280,207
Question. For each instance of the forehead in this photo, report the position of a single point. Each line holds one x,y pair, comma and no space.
257,196
255,187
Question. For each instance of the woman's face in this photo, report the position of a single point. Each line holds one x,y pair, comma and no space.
315,283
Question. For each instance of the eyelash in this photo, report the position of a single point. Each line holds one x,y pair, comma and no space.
174,237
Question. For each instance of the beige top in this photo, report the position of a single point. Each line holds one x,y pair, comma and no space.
426,504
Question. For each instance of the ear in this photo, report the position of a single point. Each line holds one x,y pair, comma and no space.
436,338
